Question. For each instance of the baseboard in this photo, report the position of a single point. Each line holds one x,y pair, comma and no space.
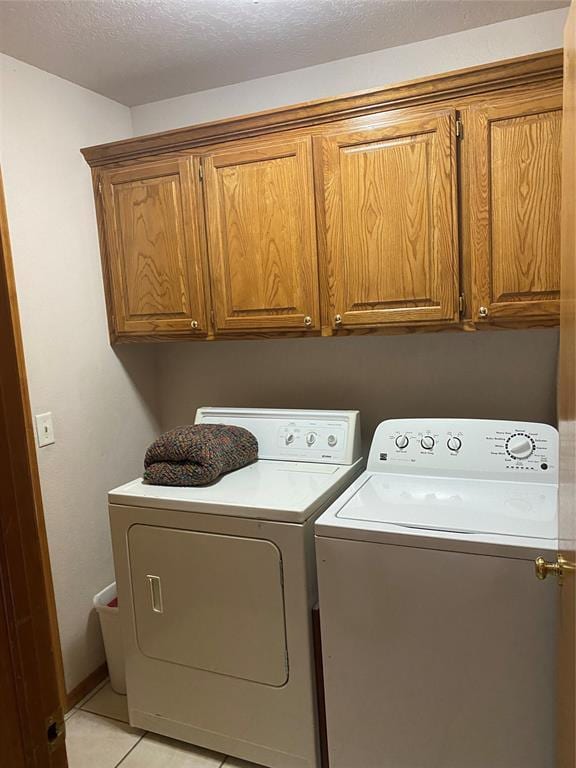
83,688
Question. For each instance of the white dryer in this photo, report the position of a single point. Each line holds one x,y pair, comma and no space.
216,585
438,641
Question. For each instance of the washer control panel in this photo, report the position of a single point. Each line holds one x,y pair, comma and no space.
466,447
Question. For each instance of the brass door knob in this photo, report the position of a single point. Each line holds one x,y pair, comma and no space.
338,319
543,567
194,324
483,311
307,321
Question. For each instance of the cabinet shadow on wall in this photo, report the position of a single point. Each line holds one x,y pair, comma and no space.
499,374
139,363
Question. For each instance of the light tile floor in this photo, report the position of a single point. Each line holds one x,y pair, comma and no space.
98,736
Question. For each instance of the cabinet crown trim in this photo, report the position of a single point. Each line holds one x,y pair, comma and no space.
526,70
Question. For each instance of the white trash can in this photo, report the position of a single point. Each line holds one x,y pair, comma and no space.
112,636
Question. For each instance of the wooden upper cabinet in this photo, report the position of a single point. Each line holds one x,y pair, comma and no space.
389,220
514,202
261,236
344,213
154,258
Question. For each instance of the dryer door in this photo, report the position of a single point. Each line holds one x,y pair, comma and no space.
209,601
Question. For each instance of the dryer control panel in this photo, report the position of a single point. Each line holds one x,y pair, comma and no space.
477,448
326,437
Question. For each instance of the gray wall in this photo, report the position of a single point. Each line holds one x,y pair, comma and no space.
499,374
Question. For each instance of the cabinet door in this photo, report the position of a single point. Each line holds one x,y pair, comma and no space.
389,209
155,261
514,144
261,236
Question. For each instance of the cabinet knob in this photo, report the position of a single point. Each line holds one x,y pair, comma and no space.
338,319
483,311
307,321
194,324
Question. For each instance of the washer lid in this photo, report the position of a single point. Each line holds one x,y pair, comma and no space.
452,505
288,491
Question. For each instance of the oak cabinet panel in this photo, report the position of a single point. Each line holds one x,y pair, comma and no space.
515,205
261,236
155,259
389,220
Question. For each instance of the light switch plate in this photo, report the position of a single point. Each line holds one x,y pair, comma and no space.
44,429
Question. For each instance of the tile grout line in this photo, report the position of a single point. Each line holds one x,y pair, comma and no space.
132,748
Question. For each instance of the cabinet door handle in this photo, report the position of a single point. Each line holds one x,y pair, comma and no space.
483,311
194,324
338,320
155,593
307,321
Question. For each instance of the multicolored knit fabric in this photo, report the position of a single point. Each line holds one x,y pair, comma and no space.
197,455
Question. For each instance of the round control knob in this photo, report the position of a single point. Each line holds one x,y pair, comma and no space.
520,446
402,441
427,442
289,439
454,443
311,438
332,440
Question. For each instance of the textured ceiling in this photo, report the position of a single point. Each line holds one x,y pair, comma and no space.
136,51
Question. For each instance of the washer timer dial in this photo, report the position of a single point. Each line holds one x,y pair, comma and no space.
402,442
520,446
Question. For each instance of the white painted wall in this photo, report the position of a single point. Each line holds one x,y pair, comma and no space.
103,400
502,374
517,37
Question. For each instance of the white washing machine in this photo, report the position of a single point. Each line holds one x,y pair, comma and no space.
216,585
438,641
